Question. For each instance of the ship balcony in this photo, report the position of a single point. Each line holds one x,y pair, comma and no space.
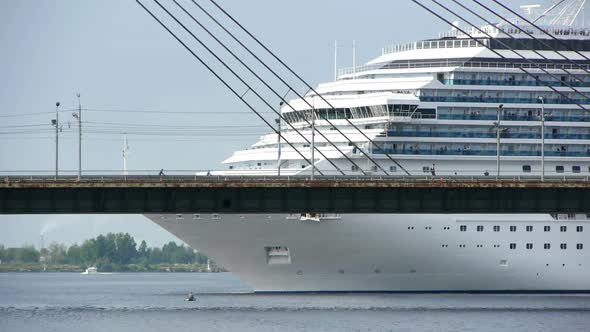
513,117
496,100
508,82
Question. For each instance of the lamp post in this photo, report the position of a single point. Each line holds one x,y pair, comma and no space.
542,138
279,139
313,143
499,111
78,116
55,122
278,122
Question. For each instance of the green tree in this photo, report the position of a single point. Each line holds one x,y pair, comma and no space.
126,248
57,253
74,255
26,254
89,252
142,252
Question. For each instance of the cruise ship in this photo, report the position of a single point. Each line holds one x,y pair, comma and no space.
452,106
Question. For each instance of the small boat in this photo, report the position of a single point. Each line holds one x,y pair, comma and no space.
90,270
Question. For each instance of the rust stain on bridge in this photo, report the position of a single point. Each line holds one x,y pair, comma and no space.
297,183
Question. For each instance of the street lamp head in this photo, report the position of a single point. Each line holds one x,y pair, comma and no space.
78,95
277,121
501,106
57,104
75,115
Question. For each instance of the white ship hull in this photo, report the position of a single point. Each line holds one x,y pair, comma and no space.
391,253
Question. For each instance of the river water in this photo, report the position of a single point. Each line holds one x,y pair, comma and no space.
155,302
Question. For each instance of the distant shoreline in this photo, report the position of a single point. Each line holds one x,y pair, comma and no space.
135,268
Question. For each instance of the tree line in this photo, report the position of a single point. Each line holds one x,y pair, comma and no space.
109,250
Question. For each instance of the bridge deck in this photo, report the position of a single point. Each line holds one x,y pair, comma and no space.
189,194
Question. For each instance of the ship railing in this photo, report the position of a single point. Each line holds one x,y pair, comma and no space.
345,73
399,65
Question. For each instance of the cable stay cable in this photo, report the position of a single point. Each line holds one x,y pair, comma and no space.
282,80
220,79
247,85
255,92
500,55
549,10
265,84
310,88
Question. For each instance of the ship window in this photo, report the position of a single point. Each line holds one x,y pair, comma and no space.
513,228
576,169
231,167
463,228
374,168
259,164
529,246
580,229
426,169
580,246
563,246
529,228
512,245
526,168
547,246
559,169
547,228
355,168
480,228
563,228
393,169
496,228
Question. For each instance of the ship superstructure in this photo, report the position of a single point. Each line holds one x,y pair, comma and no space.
437,102
441,107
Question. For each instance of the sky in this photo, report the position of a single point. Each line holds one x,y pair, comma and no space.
134,78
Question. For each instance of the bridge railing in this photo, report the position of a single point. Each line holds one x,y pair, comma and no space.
194,178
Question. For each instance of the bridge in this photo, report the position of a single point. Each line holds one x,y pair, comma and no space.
212,194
